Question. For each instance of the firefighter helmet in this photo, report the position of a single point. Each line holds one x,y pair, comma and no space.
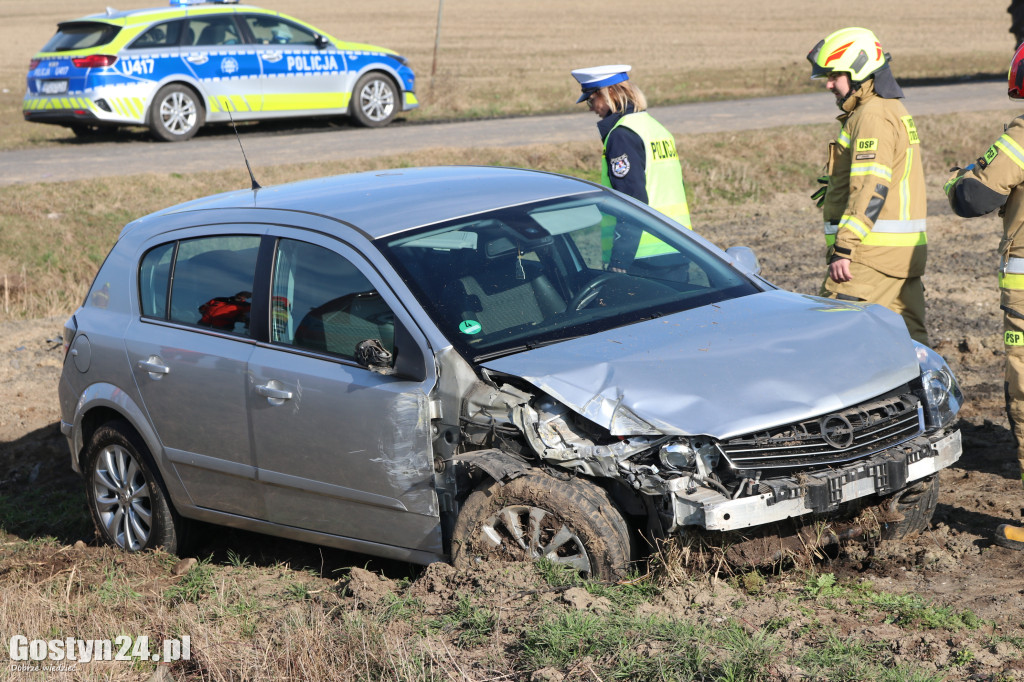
855,51
1016,77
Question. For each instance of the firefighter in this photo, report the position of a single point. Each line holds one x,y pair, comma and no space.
873,198
996,181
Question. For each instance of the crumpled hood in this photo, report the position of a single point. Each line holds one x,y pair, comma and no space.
726,369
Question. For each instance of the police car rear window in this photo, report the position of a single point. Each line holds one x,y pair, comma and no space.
80,35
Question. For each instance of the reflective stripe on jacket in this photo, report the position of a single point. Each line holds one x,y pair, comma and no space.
997,181
664,178
875,206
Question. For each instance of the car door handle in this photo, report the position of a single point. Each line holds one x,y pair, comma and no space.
198,59
273,394
155,367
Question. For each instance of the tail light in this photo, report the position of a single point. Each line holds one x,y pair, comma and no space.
70,328
32,64
94,61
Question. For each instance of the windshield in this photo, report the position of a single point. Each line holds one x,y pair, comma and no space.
80,35
517,278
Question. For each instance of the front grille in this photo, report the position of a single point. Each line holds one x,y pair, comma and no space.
832,438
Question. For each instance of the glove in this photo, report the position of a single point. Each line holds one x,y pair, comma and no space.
959,173
819,195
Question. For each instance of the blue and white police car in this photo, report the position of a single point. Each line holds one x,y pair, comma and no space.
176,68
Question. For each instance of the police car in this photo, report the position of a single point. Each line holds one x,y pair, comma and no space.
175,69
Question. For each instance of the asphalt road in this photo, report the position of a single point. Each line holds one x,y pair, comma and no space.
75,159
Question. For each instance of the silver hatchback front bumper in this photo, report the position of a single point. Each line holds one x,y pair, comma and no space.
819,492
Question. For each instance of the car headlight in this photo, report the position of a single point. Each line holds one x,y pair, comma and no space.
939,392
677,456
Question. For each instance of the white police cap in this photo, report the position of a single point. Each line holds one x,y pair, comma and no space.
595,77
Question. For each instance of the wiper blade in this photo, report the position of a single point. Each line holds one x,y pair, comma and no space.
483,357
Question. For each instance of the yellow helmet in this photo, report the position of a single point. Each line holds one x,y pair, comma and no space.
855,51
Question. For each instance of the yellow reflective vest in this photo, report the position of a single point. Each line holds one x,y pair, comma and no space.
875,206
664,176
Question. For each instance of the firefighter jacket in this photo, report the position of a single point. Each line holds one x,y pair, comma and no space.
996,181
640,160
875,205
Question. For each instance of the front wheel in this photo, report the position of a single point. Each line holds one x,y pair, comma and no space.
571,523
375,100
916,504
126,499
176,114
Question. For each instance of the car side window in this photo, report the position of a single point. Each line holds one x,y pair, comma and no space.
320,301
155,280
273,31
214,30
167,34
210,282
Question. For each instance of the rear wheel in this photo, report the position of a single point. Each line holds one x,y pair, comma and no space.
176,114
916,504
126,499
570,523
375,100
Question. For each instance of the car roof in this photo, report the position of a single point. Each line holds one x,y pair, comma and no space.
167,12
386,202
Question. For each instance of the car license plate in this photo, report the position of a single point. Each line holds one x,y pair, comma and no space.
53,87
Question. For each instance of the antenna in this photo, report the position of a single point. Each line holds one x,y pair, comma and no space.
230,105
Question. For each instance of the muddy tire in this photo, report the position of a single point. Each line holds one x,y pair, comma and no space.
916,504
127,501
573,523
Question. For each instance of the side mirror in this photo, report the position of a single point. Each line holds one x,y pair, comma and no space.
409,360
743,258
406,361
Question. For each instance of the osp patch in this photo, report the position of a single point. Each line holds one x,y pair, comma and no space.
619,166
867,144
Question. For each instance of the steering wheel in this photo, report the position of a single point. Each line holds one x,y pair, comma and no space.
589,292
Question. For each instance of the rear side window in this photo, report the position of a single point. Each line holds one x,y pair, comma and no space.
321,302
209,282
212,30
167,34
155,280
81,35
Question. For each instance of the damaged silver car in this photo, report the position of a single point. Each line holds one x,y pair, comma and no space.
468,364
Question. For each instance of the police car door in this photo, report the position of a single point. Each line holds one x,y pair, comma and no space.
215,52
302,71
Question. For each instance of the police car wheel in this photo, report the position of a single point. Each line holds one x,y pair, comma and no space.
176,114
374,100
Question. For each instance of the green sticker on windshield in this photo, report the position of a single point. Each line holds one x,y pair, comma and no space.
470,327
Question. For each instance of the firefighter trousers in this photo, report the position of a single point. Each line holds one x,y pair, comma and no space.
900,295
1013,339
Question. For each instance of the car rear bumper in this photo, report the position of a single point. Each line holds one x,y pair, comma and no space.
819,492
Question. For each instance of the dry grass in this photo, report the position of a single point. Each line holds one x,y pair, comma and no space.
54,236
514,57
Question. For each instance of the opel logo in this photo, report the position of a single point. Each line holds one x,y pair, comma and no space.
837,431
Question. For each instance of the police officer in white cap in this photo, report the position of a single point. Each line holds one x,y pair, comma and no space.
640,156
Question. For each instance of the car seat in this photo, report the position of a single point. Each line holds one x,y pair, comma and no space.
502,290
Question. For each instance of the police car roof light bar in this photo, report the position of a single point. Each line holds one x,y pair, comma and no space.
182,3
